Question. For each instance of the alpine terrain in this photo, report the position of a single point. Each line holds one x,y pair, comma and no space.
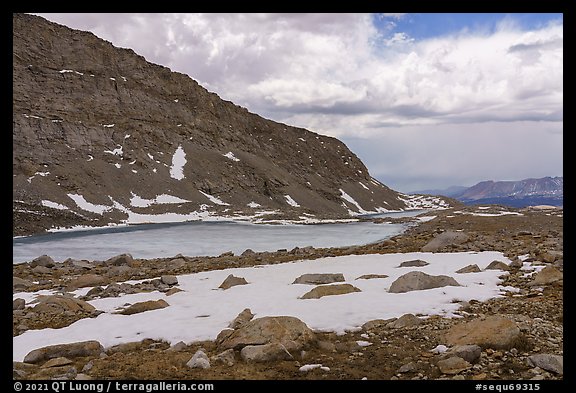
102,136
521,193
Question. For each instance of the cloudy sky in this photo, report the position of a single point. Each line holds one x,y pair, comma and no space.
425,100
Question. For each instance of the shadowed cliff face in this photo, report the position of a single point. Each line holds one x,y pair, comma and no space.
99,134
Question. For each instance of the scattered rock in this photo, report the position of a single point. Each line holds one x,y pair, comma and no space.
408,368
124,348
59,304
377,324
172,291
18,304
548,362
244,317
57,362
469,269
445,239
248,252
265,353
79,349
453,365
19,284
415,281
122,259
41,270
470,353
546,276
179,346
199,360
232,281
87,280
288,331
414,263
44,261
371,276
495,332
330,290
169,280
227,358
497,265
84,264
144,306
319,278
406,320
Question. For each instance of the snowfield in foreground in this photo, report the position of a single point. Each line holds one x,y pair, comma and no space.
202,310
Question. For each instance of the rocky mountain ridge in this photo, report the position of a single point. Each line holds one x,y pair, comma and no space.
102,136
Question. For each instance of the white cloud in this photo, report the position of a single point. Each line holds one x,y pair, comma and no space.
283,65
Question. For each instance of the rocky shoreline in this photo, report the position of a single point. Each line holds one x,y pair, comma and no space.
522,332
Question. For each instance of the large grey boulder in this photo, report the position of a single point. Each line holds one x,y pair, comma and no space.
414,263
291,332
87,280
319,278
497,265
330,290
122,259
149,305
469,269
445,239
169,280
405,321
453,365
58,304
416,281
18,304
470,353
20,284
79,349
199,360
548,362
495,332
232,281
265,353
44,261
546,276
243,318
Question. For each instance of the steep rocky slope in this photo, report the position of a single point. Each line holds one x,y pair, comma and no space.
102,136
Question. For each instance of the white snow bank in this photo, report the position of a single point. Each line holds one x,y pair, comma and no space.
85,205
137,201
213,199
116,152
54,205
178,162
291,201
352,201
270,292
231,156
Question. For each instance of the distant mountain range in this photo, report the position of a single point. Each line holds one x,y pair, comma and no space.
522,193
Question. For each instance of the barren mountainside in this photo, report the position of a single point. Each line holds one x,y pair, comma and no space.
102,136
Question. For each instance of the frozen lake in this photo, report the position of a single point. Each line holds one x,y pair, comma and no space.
198,239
